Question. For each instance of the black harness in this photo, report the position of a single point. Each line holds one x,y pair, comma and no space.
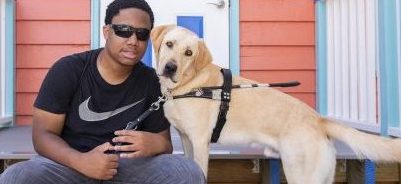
223,93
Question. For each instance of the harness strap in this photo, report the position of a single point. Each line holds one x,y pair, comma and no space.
224,106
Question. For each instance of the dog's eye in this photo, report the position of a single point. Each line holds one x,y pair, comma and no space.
188,52
169,44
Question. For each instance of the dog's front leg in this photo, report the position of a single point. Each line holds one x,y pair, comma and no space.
201,154
187,146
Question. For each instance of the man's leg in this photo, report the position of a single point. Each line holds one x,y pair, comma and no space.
41,170
162,169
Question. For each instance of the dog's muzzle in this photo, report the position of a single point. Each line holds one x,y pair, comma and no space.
170,69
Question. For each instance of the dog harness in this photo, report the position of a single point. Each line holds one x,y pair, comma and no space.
223,93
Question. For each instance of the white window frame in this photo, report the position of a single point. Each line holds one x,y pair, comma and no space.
344,103
6,117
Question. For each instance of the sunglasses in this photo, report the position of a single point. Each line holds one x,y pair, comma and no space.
126,31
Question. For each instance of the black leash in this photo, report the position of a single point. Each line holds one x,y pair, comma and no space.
133,125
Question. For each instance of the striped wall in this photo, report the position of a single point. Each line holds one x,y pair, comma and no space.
46,31
277,43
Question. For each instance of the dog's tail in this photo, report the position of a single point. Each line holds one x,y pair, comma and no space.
365,145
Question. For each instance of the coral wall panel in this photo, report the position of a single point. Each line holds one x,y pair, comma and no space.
277,33
277,10
43,56
25,102
277,44
46,30
29,80
53,32
272,76
277,57
53,10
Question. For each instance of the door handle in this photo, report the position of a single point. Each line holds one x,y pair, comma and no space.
218,4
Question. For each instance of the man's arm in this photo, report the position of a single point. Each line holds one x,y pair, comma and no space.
47,128
143,144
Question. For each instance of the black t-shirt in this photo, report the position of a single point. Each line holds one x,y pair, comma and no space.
94,108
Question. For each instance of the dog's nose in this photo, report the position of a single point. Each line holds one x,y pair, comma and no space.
170,69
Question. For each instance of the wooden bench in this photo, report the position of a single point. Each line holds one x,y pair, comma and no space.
228,164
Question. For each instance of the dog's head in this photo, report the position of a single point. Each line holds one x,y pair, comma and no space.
180,54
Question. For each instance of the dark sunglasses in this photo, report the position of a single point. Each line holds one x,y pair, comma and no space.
126,31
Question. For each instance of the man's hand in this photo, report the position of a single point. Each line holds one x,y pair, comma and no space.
140,144
98,165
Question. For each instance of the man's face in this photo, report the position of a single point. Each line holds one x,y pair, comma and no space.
124,48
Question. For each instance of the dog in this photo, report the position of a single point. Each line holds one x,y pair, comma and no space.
283,125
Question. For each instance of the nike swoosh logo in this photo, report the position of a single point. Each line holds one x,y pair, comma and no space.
88,115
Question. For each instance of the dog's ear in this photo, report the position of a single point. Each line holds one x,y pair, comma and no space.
204,57
157,36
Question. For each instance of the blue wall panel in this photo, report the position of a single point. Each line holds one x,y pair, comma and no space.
193,23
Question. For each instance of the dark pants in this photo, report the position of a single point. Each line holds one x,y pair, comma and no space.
163,169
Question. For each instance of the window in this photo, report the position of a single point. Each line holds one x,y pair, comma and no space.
352,57
6,62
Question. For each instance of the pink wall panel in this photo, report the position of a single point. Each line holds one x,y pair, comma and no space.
25,102
53,10
43,56
277,39
277,57
277,33
277,10
53,32
24,120
303,77
45,31
29,80
308,98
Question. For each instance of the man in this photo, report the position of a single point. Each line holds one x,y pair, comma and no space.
87,99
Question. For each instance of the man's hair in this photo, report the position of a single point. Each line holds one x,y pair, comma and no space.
114,8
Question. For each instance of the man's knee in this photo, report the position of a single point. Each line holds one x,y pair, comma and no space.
22,172
182,169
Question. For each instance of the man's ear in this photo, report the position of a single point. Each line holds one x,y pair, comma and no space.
106,32
204,57
157,36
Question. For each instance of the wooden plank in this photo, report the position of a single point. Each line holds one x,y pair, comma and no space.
387,172
306,78
277,33
232,171
44,56
53,32
340,175
29,80
53,10
277,58
262,10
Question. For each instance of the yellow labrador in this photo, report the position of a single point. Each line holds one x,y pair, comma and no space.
284,125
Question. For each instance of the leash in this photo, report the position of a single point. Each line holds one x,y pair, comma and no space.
133,125
213,92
